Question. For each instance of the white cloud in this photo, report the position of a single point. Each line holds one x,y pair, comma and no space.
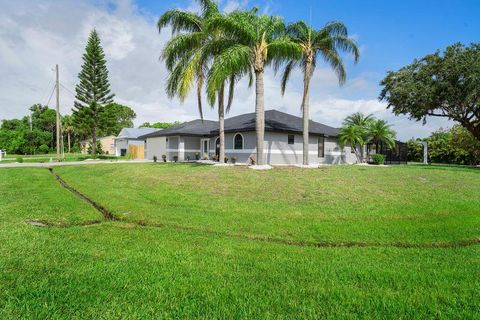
35,36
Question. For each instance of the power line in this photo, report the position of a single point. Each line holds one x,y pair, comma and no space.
69,91
51,94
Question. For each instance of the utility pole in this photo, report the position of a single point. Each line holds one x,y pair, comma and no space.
57,85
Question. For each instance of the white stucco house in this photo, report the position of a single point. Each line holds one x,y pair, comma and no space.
130,136
199,139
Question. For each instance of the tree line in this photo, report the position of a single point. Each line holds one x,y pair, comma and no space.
35,134
456,145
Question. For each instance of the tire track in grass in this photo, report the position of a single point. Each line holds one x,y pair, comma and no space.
108,216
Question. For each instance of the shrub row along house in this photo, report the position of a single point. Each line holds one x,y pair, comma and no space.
199,139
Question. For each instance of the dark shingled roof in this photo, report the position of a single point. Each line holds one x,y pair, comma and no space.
191,128
277,121
274,121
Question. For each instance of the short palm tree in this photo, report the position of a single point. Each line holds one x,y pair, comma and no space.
251,42
358,119
189,54
353,135
379,131
324,43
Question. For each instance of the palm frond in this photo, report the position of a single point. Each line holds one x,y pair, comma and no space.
234,60
180,21
286,75
231,89
181,45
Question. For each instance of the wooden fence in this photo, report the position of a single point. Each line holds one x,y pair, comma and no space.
136,151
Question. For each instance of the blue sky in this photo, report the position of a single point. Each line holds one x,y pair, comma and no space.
391,33
35,35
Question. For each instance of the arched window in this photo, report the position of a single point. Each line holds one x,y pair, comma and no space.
238,141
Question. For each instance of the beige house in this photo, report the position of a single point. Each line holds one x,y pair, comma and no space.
108,145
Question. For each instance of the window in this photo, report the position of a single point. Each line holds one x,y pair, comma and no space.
291,139
321,147
238,141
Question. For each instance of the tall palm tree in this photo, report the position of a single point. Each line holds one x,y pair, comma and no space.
379,131
252,42
325,43
353,135
188,56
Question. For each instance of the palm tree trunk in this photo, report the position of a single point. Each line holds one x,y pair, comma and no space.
221,124
305,109
94,140
259,115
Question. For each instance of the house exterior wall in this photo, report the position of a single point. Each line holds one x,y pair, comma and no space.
277,149
108,145
155,147
119,145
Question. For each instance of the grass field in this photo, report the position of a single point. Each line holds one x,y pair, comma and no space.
190,241
47,157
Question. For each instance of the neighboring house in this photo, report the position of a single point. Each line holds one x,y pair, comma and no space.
283,140
128,137
107,145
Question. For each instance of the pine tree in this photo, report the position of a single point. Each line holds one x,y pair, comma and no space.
93,91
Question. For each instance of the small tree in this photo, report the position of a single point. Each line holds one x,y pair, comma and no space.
93,90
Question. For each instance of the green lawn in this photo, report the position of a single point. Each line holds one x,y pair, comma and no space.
47,157
206,242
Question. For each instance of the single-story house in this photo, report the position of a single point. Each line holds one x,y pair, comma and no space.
199,139
129,136
106,142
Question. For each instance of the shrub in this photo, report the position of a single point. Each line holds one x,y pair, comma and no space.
205,157
154,158
19,159
188,158
253,160
43,148
175,158
234,159
197,156
378,158
164,157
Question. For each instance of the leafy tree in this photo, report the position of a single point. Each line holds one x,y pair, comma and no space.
160,125
93,91
414,150
439,85
117,117
314,44
466,148
250,42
